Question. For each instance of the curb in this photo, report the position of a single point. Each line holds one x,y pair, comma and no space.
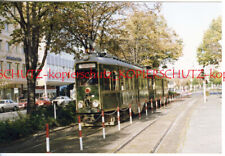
54,130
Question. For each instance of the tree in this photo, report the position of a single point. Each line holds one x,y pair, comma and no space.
216,80
35,23
210,50
196,81
145,38
87,25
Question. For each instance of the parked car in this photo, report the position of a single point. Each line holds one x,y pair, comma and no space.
8,104
23,104
43,101
61,100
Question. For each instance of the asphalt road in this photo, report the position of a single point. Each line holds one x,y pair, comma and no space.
11,115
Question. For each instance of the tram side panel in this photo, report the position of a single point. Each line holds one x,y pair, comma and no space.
110,92
143,91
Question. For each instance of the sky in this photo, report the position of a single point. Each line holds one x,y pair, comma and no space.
190,20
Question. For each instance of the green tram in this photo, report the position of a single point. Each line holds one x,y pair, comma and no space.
104,82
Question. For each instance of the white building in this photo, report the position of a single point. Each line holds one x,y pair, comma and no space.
11,58
55,79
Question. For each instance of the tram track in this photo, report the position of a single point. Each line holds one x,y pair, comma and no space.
88,132
163,136
96,131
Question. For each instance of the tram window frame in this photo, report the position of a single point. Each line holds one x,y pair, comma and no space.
139,82
106,81
114,80
154,84
150,83
146,83
129,83
132,83
142,83
123,83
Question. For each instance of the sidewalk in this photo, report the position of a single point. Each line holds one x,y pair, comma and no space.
204,130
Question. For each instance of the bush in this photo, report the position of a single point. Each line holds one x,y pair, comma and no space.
27,125
66,115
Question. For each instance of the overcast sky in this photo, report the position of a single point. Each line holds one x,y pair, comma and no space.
190,20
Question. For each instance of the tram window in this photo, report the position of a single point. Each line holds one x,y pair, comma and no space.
142,83
129,83
132,82
150,83
87,77
126,83
145,85
122,83
106,83
153,84
139,83
141,86
131,86
115,84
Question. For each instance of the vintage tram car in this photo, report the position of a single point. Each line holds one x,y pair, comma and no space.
103,82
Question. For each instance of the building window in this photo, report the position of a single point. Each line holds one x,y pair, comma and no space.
7,46
9,67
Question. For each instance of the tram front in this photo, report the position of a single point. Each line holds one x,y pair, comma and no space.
87,89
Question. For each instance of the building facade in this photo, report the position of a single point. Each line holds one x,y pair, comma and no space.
12,66
12,60
55,79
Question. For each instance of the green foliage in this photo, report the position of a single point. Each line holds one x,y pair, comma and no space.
196,81
145,38
85,22
27,125
210,50
215,80
66,115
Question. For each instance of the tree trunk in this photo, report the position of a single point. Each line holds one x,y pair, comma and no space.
31,85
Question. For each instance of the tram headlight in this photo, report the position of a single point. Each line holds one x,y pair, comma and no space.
95,103
80,104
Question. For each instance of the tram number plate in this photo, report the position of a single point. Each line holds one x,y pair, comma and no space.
89,65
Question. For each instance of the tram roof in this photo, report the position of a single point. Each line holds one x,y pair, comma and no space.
109,61
112,60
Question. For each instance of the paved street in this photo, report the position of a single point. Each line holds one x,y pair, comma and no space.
183,126
11,115
204,132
